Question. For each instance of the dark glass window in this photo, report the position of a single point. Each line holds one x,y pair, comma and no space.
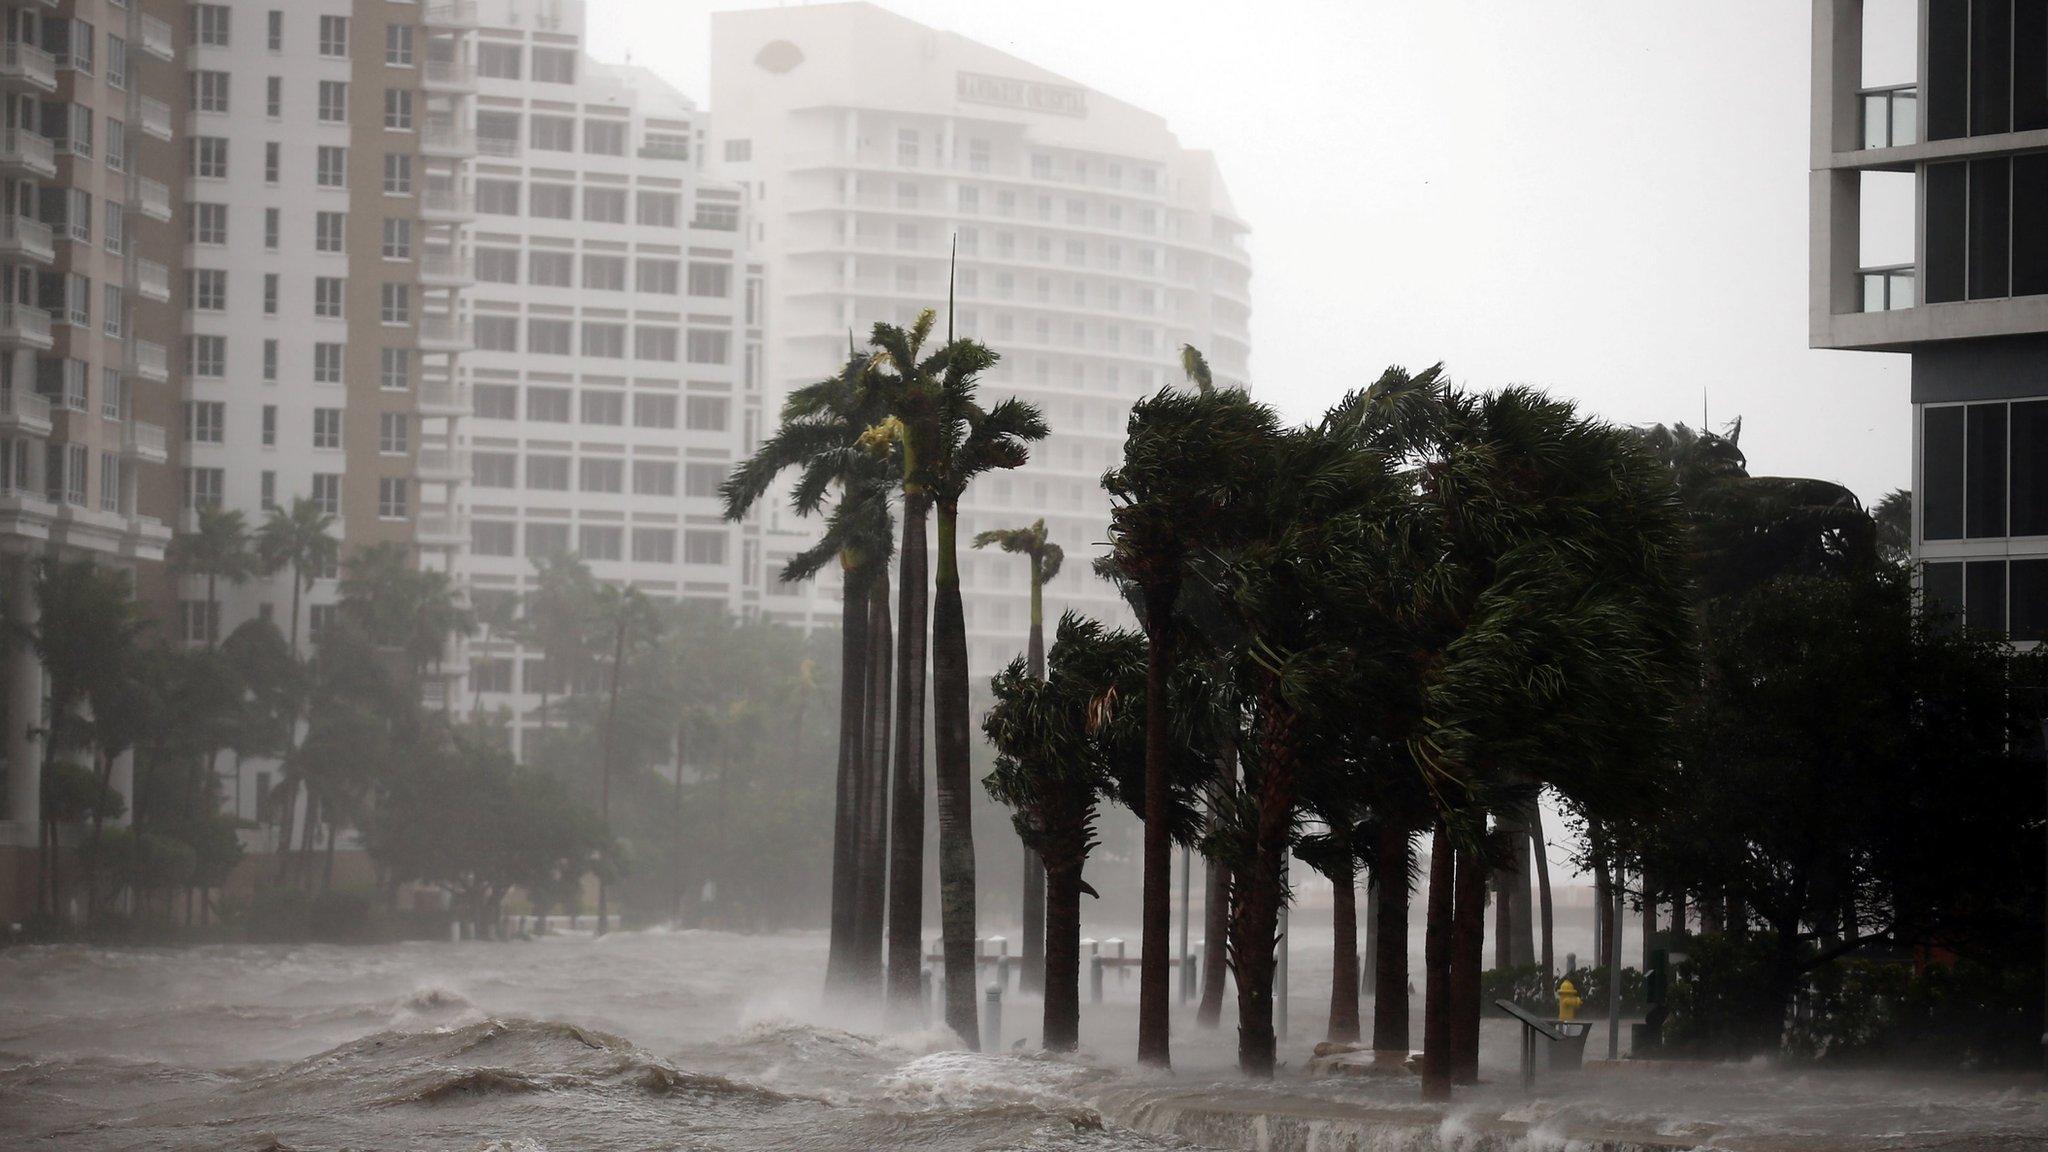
1941,474
2029,617
1948,196
1948,69
2030,222
1986,470
1984,595
1990,66
1941,589
1990,228
2030,468
2030,65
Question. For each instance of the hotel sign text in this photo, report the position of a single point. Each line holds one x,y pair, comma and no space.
1056,99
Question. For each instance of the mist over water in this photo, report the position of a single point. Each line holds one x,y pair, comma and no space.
701,1040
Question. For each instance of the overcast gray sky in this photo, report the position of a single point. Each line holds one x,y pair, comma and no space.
1604,198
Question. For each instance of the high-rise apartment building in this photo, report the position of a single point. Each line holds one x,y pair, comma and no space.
616,378
91,92
325,204
1091,246
1970,129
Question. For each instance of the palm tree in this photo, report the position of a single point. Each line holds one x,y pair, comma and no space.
218,549
1063,742
558,621
302,540
1045,558
947,440
819,437
1183,476
497,616
625,612
398,606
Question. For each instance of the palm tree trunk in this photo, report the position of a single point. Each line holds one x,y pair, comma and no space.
1541,848
1254,920
676,850
1156,915
105,775
1032,903
1436,966
906,800
298,582
1344,963
845,807
871,891
604,784
1063,955
1391,857
1468,944
1522,948
955,783
1215,952
212,611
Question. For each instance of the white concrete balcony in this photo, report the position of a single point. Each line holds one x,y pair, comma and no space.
447,269
443,465
145,442
442,529
443,398
27,67
444,334
147,537
452,205
148,361
28,240
23,411
24,326
449,14
156,38
23,152
500,147
445,138
156,118
153,199
448,76
152,281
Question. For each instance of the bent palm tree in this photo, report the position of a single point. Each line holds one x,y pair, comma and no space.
219,549
300,539
1045,558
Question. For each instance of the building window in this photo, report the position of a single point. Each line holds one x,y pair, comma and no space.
276,30
207,289
117,61
710,346
397,239
654,342
206,356
657,209
273,97
332,169
711,280
605,341
327,428
334,36
545,540
205,487
1984,470
398,108
207,223
547,473
716,217
497,265
209,158
497,197
654,410
494,470
395,303
206,421
654,477
600,542
604,406
391,498
547,405
703,547
393,428
267,485
209,92
327,231
327,359
604,137
702,480
551,269
601,474
210,25
653,274
398,174
326,494
554,65
552,201
497,61
604,205
739,151
549,337
493,538
398,45
270,425
270,360
654,545
497,333
394,369
327,292
707,413
552,133
334,101
495,401
604,273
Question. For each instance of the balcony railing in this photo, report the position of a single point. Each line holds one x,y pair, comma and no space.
146,441
453,268
449,14
444,465
501,146
156,38
443,138
29,411
444,334
1887,288
153,280
32,239
442,528
664,150
23,149
153,198
442,397
447,203
28,64
449,74
156,118
1891,116
22,324
148,361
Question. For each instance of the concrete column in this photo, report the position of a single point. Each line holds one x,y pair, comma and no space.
24,718
122,781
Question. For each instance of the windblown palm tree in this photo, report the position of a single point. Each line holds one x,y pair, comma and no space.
1045,558
301,539
559,621
626,614
219,549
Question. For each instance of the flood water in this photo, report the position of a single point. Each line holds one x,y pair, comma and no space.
699,1040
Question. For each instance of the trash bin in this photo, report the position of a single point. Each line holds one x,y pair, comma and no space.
1568,1054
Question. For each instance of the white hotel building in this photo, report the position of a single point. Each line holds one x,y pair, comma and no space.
1092,245
616,378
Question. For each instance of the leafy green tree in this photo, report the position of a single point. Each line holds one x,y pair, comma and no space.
1044,558
219,549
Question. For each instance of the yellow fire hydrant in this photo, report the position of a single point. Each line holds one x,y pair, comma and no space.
1567,1001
